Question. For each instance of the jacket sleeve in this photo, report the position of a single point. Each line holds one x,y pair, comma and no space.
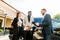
46,21
14,23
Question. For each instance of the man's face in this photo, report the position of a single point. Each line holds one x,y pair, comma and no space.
29,13
43,12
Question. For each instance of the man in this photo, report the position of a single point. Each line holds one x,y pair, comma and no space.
46,24
28,28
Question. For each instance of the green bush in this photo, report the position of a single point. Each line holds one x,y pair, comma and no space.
2,30
6,30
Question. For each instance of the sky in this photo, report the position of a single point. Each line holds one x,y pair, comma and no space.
52,6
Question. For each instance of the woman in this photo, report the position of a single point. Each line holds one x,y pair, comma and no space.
28,27
17,27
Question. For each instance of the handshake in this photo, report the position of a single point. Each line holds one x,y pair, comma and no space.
36,24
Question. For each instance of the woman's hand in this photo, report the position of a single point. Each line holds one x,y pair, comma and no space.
11,26
27,28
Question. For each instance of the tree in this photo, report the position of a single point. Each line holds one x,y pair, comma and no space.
57,17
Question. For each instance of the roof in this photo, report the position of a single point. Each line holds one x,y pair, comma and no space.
10,6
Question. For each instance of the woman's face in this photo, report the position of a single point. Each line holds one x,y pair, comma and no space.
20,15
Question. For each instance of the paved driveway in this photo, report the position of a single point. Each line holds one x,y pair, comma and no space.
4,37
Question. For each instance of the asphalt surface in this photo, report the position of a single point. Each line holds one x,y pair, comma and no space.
5,37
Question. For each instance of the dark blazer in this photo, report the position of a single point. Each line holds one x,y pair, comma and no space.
47,25
15,26
14,23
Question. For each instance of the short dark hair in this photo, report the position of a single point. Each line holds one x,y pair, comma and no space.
29,11
44,9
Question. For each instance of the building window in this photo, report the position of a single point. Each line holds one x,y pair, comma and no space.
1,22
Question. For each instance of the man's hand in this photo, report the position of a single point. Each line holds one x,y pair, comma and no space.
37,24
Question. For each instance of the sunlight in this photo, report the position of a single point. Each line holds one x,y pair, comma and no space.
35,6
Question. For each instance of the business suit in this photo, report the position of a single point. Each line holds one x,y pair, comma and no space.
29,34
17,31
47,27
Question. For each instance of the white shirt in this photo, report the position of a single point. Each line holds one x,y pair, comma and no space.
43,16
20,22
29,23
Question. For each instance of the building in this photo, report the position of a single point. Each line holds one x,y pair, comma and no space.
10,11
